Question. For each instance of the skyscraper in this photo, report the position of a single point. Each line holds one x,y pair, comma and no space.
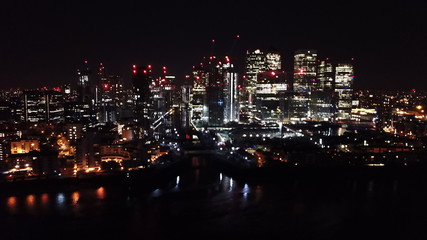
305,82
255,63
270,96
231,111
84,108
142,96
84,91
322,103
199,110
273,60
305,70
344,76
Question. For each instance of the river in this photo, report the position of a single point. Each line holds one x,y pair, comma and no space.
205,203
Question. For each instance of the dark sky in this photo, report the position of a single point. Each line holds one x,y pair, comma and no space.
44,42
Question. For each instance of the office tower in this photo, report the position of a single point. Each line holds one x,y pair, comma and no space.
344,76
43,105
142,97
322,103
273,60
305,82
255,63
270,96
305,70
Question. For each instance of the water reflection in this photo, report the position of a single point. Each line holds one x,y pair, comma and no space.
227,203
156,193
60,200
45,199
75,198
11,204
30,201
245,191
100,193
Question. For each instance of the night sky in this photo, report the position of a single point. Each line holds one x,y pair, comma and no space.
43,42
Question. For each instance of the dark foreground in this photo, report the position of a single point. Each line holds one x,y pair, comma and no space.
206,203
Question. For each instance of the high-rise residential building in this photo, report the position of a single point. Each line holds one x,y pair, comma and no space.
217,78
231,111
186,98
344,76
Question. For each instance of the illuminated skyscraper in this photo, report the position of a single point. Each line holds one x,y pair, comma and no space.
322,104
344,76
199,110
270,96
305,82
255,63
273,60
305,70
231,111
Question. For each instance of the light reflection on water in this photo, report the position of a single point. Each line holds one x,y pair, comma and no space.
222,200
12,204
45,199
30,201
75,197
100,193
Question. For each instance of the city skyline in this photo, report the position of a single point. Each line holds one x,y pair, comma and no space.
45,42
